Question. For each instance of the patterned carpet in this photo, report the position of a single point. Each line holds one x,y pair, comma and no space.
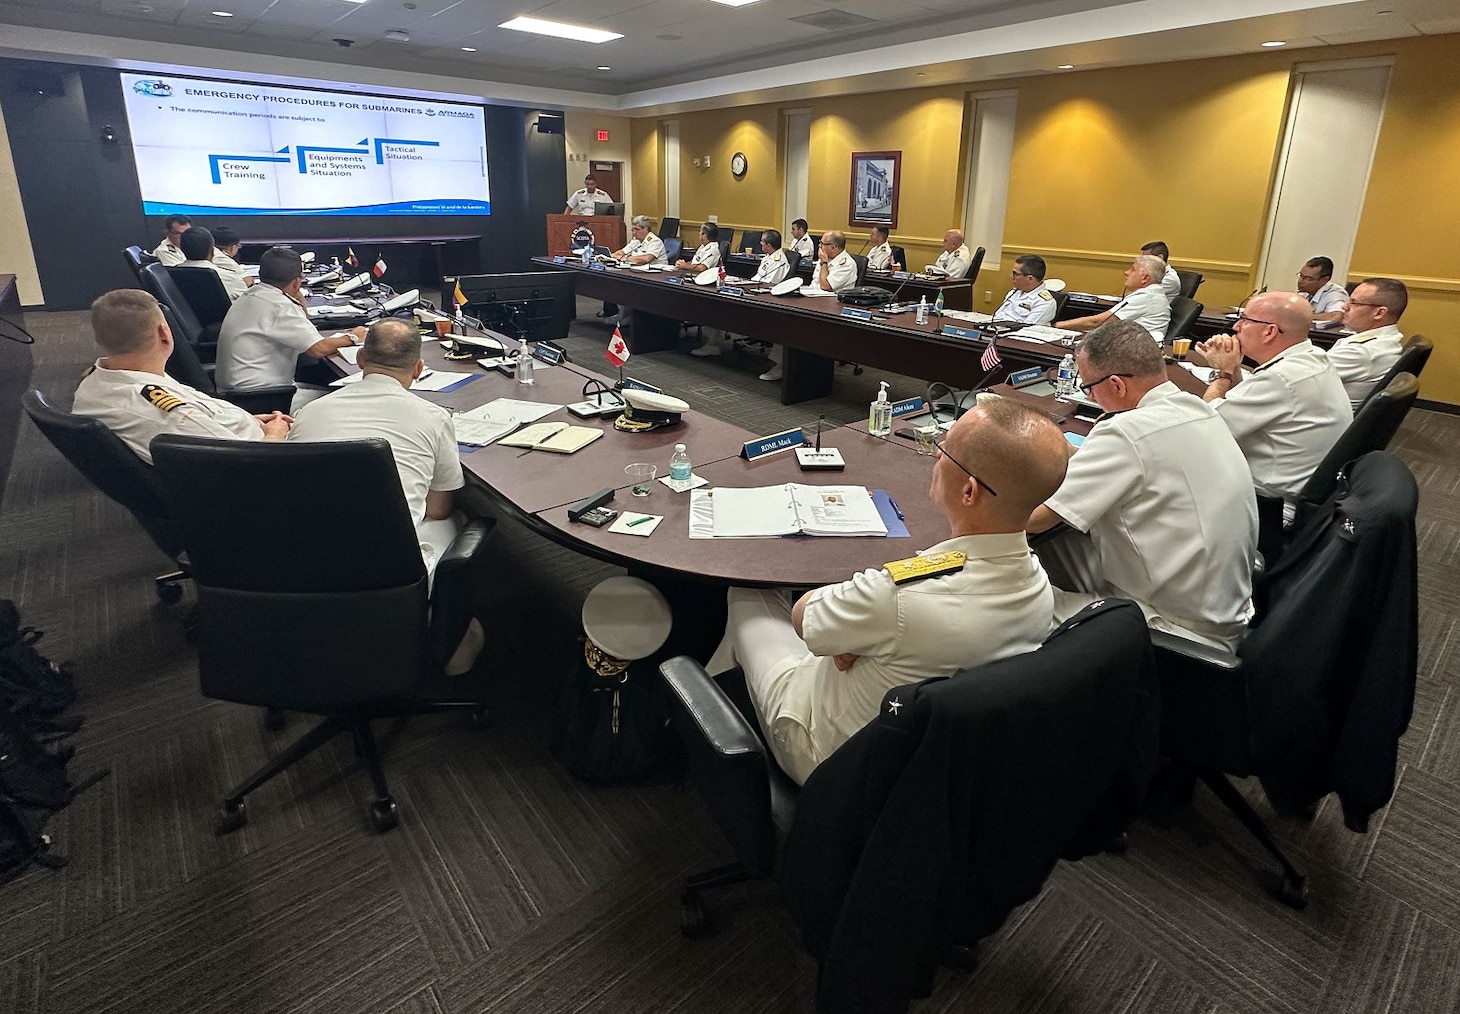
511,887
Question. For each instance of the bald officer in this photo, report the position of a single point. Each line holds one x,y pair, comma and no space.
953,262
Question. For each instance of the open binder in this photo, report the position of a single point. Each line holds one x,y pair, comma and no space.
795,509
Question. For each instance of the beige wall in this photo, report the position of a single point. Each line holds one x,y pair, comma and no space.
583,146
16,257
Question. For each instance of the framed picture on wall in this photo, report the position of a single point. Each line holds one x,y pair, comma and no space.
876,176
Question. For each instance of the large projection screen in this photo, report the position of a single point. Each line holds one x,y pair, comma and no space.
218,148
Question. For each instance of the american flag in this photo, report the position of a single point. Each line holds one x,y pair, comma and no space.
618,349
990,357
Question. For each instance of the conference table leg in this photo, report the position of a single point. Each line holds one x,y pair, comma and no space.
650,332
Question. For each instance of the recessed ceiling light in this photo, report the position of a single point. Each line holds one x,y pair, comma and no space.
735,3
1273,45
1065,66
354,1
222,14
468,49
559,30
604,66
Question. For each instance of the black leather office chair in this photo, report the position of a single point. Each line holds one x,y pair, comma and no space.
899,257
1060,298
673,247
1190,282
861,268
669,229
1317,695
1413,355
204,291
338,625
975,264
724,243
1100,659
1184,312
183,364
111,466
750,241
136,259
726,236
158,281
793,258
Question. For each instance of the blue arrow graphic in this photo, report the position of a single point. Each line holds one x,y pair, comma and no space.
380,142
213,161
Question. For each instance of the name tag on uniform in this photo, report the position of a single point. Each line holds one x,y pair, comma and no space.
929,565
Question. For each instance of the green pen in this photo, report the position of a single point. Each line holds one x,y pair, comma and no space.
640,521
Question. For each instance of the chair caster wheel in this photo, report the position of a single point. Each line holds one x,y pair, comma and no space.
856,371
692,920
170,592
481,717
273,719
1293,892
383,815
231,818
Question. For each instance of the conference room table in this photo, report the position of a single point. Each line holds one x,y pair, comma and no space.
957,292
1208,322
812,329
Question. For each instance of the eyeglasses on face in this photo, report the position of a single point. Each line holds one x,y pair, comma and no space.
1355,302
1244,319
944,451
1087,388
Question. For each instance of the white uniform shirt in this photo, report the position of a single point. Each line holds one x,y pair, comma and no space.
841,272
999,605
231,272
707,256
1362,359
954,264
879,257
774,267
1033,307
1286,414
1165,494
421,436
168,254
137,406
1149,308
1330,297
234,290
1171,283
581,202
261,338
650,244
804,246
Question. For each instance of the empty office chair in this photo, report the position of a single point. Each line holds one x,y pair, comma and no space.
1060,298
668,228
673,247
111,466
1089,688
1184,312
289,621
861,268
1413,355
136,259
1190,282
724,242
899,257
975,264
726,236
156,280
750,241
204,291
1317,695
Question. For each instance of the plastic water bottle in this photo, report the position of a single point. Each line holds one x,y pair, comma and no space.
587,253
1065,380
923,310
679,464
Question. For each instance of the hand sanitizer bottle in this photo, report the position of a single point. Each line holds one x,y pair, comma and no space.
679,464
923,310
524,367
879,416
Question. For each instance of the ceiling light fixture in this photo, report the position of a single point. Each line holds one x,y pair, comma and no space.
559,30
1065,66
735,3
222,14
468,49
604,66
1273,45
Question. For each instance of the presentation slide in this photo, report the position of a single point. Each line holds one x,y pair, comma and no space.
214,148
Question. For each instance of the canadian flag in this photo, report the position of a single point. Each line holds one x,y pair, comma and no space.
379,268
618,349
722,272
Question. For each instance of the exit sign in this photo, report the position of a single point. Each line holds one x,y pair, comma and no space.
603,135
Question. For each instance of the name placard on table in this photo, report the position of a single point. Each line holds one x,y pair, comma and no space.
550,354
908,406
731,290
776,442
962,332
630,384
856,313
673,280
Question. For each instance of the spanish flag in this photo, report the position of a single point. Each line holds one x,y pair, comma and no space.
350,258
458,299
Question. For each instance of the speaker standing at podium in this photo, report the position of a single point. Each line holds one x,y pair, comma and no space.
582,202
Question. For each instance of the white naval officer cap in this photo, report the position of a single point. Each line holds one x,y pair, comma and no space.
648,410
709,276
627,618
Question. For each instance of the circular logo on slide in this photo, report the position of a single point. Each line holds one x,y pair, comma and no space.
156,89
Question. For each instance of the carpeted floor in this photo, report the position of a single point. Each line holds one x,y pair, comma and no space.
510,887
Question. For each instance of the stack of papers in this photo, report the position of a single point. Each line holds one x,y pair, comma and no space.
478,428
1043,333
972,316
429,380
789,509
501,408
815,290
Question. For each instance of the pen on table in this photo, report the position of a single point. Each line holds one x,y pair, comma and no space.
897,510
640,521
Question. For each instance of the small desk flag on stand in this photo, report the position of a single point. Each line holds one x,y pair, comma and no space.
458,300
379,268
938,307
990,357
350,257
618,349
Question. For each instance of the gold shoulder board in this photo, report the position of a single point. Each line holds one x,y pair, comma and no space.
1044,294
163,399
931,565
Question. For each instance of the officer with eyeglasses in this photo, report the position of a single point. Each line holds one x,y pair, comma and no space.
1029,301
1372,313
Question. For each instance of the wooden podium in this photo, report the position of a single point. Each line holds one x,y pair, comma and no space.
608,230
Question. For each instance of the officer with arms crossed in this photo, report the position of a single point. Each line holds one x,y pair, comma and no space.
708,253
1158,497
197,247
1316,284
1144,302
169,251
130,391
955,258
1028,302
1364,357
266,330
581,202
817,671
1288,411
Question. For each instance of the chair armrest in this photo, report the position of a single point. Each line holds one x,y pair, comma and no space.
1203,704
261,400
727,762
1194,651
453,592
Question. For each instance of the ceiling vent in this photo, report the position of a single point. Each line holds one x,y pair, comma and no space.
397,35
834,21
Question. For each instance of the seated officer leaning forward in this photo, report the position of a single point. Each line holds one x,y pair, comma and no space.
129,390
1158,500
817,671
707,255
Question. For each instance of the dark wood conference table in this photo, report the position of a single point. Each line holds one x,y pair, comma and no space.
957,292
414,260
811,328
1208,323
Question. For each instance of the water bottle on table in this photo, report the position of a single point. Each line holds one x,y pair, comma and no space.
1066,380
679,464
